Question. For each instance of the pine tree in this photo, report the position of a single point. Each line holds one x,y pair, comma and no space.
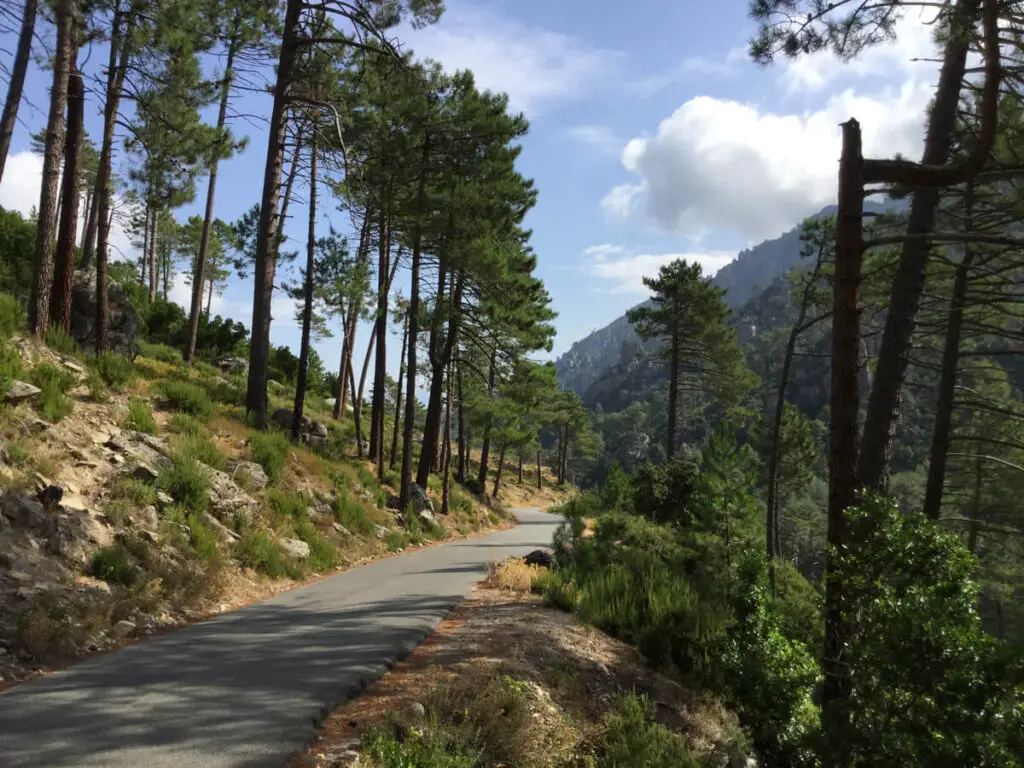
17,82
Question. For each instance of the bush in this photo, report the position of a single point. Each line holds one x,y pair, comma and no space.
16,455
117,511
116,370
55,383
270,451
291,506
12,316
258,551
186,481
617,490
10,365
116,565
61,341
631,737
137,492
395,541
140,416
187,397
97,386
183,424
322,554
351,514
663,492
202,538
161,352
206,451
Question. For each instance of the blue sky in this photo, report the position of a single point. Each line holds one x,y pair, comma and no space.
652,137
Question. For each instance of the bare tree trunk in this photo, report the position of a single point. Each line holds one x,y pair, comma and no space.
520,467
357,404
199,271
92,225
460,475
42,273
307,306
673,398
116,67
446,459
538,469
485,448
398,394
60,298
844,402
404,493
380,366
497,474
88,210
209,305
894,354
17,81
153,274
348,343
269,236
943,430
145,241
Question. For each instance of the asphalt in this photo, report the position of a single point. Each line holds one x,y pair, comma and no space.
246,688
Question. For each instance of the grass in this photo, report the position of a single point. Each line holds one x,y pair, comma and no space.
117,511
258,551
225,392
61,341
140,416
98,389
17,455
186,481
12,316
10,364
270,451
322,554
396,541
184,424
631,737
161,352
512,574
205,450
116,370
54,382
286,504
115,565
351,514
139,493
155,369
202,539
187,397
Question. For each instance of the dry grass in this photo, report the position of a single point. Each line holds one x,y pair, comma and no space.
512,574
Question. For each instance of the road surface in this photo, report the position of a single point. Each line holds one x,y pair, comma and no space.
245,688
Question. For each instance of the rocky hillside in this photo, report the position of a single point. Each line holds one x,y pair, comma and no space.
134,498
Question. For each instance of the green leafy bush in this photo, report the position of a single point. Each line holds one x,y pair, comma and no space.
351,514
202,538
322,554
116,370
664,492
205,450
98,390
617,489
184,424
61,341
140,416
270,450
16,455
10,365
288,505
54,383
187,397
630,738
137,492
258,551
186,481
117,511
116,565
12,316
161,352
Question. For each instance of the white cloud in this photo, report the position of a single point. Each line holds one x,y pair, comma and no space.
626,272
721,164
534,66
598,137
691,65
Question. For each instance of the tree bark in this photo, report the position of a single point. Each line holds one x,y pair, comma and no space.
268,238
673,397
844,400
357,404
520,467
446,458
117,65
485,448
460,475
60,298
42,273
538,469
154,276
894,354
199,270
88,208
307,304
414,312
92,225
209,303
9,117
348,343
497,474
380,362
398,394
943,429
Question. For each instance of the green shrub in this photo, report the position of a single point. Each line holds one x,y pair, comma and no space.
12,316
184,424
258,551
187,397
98,390
630,737
202,538
351,514
116,565
161,352
392,478
322,554
10,364
136,491
434,483
116,370
558,592
226,392
617,489
205,450
395,541
663,492
289,505
140,416
186,481
16,455
117,511
270,451
54,383
61,341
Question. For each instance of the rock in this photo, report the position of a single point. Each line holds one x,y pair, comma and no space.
21,390
311,433
145,449
24,512
145,473
282,417
541,557
123,628
147,518
417,710
419,499
122,319
149,536
381,532
294,548
117,459
249,473
317,428
341,529
232,364
73,366
225,534
164,499
228,500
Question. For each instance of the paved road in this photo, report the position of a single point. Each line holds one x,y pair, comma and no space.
244,689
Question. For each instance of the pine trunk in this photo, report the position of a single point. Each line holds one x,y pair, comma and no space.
446,458
60,298
380,361
894,354
88,207
9,118
42,273
307,299
268,238
92,225
209,301
154,275
538,470
398,394
673,397
460,475
354,310
414,310
497,474
844,399
520,467
199,270
485,448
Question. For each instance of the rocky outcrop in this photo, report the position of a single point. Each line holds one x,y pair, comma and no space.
311,432
20,391
232,365
295,548
421,504
228,500
123,320
249,474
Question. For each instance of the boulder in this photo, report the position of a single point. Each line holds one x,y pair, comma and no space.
248,473
312,433
20,391
341,529
146,518
24,512
381,532
422,506
228,500
232,364
225,534
142,448
123,628
122,319
294,548
541,557
145,473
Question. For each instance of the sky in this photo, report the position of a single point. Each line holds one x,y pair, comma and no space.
652,137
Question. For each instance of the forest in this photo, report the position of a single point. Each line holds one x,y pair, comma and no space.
815,521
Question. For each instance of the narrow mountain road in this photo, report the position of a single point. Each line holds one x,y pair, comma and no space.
244,689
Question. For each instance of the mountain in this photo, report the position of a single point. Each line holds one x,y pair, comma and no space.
611,352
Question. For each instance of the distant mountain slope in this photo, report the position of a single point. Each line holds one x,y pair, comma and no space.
590,359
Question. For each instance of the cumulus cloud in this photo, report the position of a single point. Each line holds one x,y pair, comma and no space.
536,67
625,272
718,163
